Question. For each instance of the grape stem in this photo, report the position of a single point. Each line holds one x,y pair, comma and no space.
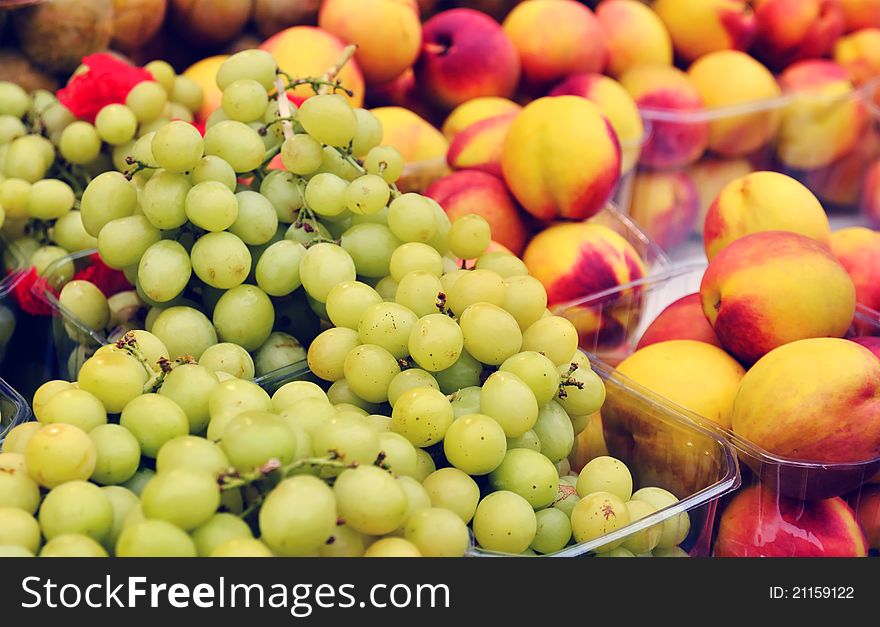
232,479
138,166
568,380
333,70
284,110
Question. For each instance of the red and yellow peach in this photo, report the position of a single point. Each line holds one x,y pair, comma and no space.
793,30
415,138
860,13
665,205
479,146
682,320
858,249
634,35
859,53
476,110
204,73
710,176
699,28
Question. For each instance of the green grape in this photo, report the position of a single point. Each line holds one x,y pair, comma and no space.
255,64
24,159
14,195
146,100
555,431
505,522
529,474
107,197
329,119
257,221
400,455
584,399
408,380
525,299
244,100
368,134
294,391
528,440
177,146
52,262
79,143
327,352
123,501
422,415
325,194
476,286
452,489
41,145
333,162
463,373
419,291
475,444
298,516
236,143
323,266
436,342
392,547
154,538
349,436
231,398
536,371
252,438
386,287
674,529
242,547
11,128
491,335
217,116
346,543
347,300
153,420
598,514
466,401
438,532
14,100
385,161
228,357
189,451
50,199
424,465
367,195
388,325
417,498
281,189
554,336
137,484
86,302
221,259
187,92
41,397
164,271
646,540
506,398
244,315
370,246
56,117
123,241
469,236
163,200
76,507
415,256
17,489
211,206
115,378
118,454
553,531
217,531
116,124
185,331
185,497
213,168
566,496
340,393
149,128
369,370
370,500
18,528
307,414
163,73
74,407
301,154
70,234
503,264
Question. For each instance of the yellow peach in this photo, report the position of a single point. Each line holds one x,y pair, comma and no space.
700,27
474,111
204,73
479,146
859,52
858,249
634,35
415,138
710,176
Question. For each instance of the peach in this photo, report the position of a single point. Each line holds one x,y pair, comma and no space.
634,35
471,191
616,104
859,53
476,110
760,523
555,38
310,51
561,158
415,138
860,13
479,146
839,184
696,375
730,78
870,342
669,91
866,503
858,249
763,201
825,119
204,73
399,92
791,408
388,33
577,259
682,320
465,54
870,202
792,30
665,205
699,28
768,289
710,176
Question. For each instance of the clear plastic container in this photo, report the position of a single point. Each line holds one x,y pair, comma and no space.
641,431
14,410
828,143
635,306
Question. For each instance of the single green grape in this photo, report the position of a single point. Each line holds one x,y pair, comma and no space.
184,330
422,415
475,443
244,315
529,474
186,497
606,474
154,538
553,532
491,335
298,516
153,420
504,522
506,398
116,124
597,514
370,500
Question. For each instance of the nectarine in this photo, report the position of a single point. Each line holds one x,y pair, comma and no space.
415,138
634,35
859,53
699,28
682,320
480,145
792,30
474,111
858,249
